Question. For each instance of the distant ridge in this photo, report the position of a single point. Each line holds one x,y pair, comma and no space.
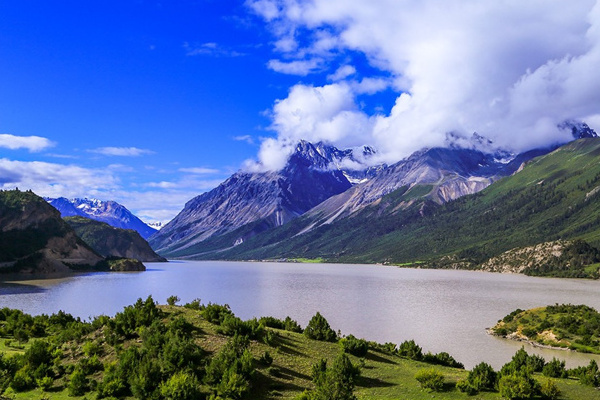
109,212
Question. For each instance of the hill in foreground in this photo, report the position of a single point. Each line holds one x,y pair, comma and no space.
204,351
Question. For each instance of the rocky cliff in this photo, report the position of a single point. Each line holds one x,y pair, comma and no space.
34,238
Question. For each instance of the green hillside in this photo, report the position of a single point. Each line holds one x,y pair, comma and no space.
109,241
205,352
554,197
576,327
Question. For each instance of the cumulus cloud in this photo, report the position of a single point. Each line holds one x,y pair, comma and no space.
509,70
54,180
122,151
342,73
31,143
326,113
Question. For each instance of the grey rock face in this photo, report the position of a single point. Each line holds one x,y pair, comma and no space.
312,174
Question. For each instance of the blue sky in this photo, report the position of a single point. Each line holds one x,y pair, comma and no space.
150,103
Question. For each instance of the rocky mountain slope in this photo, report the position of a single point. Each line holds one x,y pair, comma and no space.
109,241
312,174
552,197
34,238
109,212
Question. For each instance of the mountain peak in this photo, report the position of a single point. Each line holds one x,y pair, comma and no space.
579,130
109,212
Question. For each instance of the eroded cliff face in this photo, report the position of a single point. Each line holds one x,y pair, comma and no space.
34,238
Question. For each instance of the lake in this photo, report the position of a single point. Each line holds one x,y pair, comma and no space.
441,310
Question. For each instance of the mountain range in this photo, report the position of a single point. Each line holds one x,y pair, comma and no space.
109,212
322,185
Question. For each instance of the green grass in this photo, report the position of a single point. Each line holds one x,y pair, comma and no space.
565,326
308,260
383,375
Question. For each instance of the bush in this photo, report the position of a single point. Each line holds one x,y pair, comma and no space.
555,369
465,386
91,348
430,379
172,300
22,380
410,350
589,375
195,304
288,324
266,359
180,386
318,329
45,383
549,390
215,313
517,386
354,346
335,383
78,383
483,377
444,359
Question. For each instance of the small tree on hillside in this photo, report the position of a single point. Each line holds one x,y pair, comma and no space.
318,329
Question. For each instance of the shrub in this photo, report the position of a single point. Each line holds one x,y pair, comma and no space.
444,359
22,380
555,369
78,383
172,300
195,304
549,390
517,386
430,379
91,348
318,329
483,377
354,346
180,386
288,324
410,350
335,383
589,375
266,359
216,313
465,386
45,383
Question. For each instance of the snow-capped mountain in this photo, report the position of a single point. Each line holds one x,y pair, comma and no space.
313,173
110,212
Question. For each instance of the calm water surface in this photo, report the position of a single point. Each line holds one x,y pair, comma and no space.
440,310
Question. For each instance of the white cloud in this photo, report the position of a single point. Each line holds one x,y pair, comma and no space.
509,70
210,49
122,151
200,170
298,67
342,73
54,180
326,113
31,143
244,138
